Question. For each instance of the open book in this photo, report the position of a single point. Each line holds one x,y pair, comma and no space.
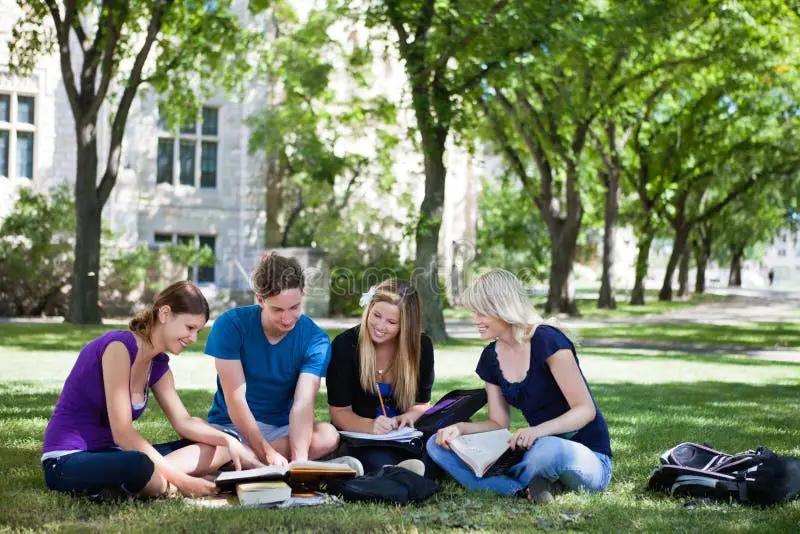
402,435
306,471
487,453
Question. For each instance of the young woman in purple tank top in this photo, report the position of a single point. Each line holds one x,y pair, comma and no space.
90,445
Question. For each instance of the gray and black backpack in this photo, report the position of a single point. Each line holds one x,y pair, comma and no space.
759,477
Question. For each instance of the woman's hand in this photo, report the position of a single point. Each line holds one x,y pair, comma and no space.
523,438
383,424
194,486
242,456
447,434
405,420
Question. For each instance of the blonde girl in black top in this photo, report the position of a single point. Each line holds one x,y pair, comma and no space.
389,353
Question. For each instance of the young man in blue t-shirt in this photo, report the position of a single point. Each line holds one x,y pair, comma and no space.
270,359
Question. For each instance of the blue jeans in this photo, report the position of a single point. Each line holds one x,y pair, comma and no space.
571,463
122,473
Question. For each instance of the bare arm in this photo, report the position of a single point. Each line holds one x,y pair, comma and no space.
116,383
344,418
581,408
499,417
301,416
234,387
581,411
196,429
410,416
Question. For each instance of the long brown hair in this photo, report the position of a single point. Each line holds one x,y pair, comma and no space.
405,365
181,297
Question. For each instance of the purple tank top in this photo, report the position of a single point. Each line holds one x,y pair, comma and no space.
80,419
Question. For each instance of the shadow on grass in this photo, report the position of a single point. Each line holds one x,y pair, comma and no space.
644,420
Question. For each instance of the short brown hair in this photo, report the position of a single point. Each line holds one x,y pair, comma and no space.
276,273
181,297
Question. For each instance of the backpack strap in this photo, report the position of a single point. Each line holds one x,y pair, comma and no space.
741,482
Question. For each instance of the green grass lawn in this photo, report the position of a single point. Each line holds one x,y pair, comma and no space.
66,336
652,400
644,420
765,335
587,306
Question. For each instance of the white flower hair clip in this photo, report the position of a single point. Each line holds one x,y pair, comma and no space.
367,297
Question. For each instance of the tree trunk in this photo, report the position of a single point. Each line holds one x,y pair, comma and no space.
683,270
681,235
88,210
426,261
702,253
561,293
642,260
608,297
735,275
272,231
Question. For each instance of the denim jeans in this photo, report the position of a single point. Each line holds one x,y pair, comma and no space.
571,463
90,472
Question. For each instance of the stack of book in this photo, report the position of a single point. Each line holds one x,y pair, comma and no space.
273,484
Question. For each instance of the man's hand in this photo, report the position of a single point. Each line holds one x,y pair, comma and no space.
270,456
242,456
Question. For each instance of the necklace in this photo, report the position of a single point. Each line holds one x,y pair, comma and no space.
380,372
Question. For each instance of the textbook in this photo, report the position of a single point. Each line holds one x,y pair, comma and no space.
405,434
258,493
487,453
306,471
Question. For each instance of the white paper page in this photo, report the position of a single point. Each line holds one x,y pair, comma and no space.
401,434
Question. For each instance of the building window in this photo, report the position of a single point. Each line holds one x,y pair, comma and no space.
190,157
17,135
166,153
196,273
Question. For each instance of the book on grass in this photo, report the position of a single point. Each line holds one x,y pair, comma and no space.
402,435
259,493
303,471
487,453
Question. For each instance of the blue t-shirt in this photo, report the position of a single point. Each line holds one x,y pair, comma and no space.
538,394
270,371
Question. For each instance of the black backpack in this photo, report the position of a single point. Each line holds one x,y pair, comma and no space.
390,484
455,407
759,476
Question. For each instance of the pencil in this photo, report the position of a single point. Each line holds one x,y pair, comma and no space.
380,398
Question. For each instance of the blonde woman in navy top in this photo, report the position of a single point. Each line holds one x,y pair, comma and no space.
534,368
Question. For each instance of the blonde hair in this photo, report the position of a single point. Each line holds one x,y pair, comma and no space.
500,294
405,364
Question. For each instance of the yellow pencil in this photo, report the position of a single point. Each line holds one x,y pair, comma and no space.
380,398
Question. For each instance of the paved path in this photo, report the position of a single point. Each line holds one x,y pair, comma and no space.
195,371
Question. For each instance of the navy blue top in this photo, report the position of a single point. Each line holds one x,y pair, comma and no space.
538,394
